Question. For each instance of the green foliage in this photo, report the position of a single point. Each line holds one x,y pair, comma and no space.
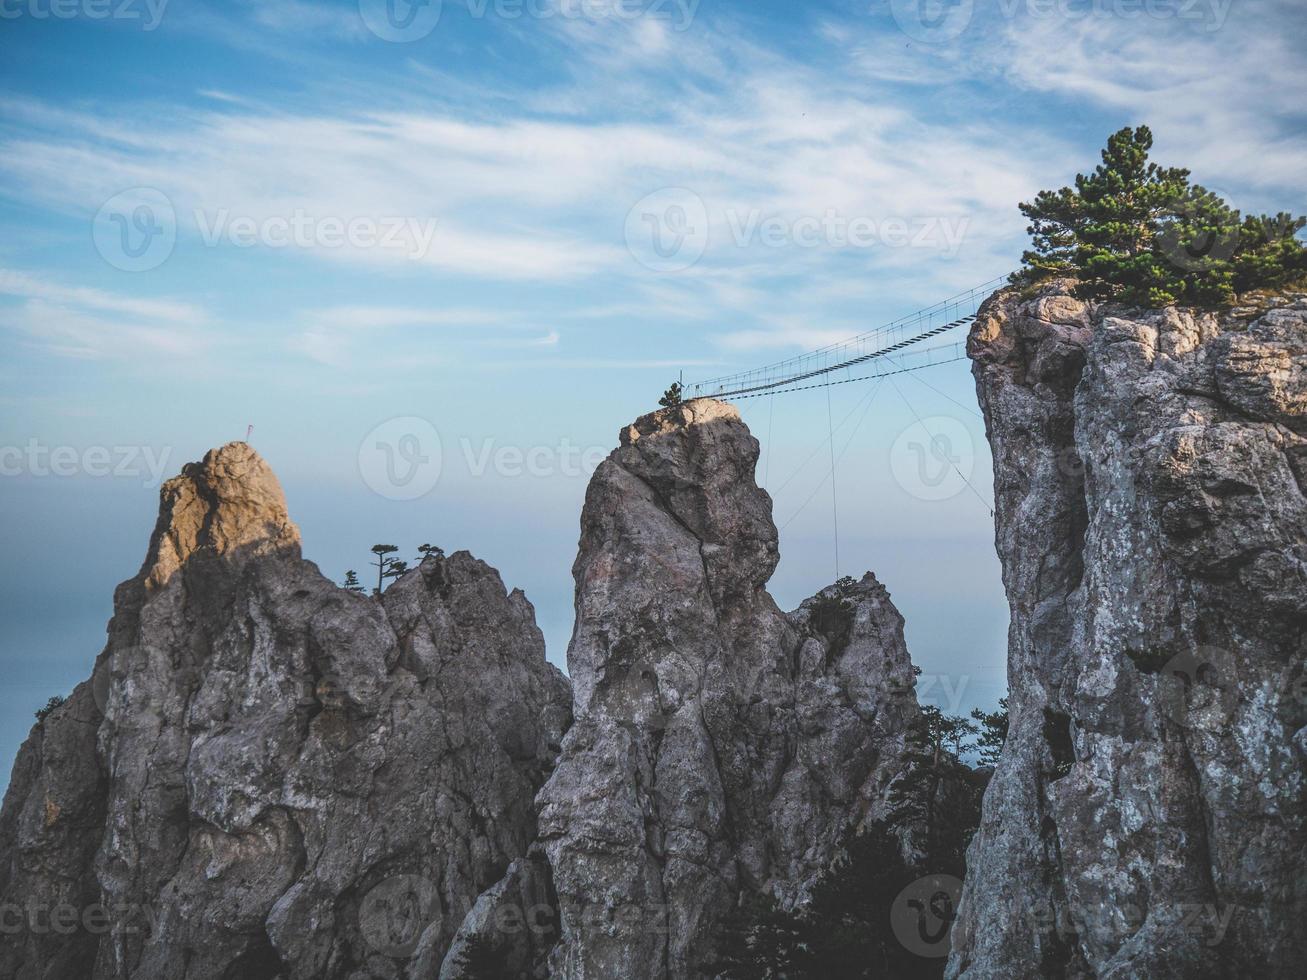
386,566
1144,235
844,932
672,396
54,702
351,583
759,940
479,959
426,551
992,734
832,617
934,792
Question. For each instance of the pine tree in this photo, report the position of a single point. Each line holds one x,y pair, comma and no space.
351,582
480,959
993,732
386,566
672,396
1144,235
934,792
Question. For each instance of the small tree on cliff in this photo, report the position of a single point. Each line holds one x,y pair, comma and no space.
993,732
672,396
479,959
351,583
1142,234
386,566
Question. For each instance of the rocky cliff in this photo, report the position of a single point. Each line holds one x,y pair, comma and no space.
721,747
1147,817
270,776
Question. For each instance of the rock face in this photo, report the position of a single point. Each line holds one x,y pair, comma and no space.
1147,817
720,746
270,776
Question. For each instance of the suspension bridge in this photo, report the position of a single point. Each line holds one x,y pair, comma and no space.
875,354
904,346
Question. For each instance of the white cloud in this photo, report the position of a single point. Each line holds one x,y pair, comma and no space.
81,322
1219,101
533,185
15,283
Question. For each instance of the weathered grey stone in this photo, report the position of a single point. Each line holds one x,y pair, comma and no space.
720,746
1147,817
291,779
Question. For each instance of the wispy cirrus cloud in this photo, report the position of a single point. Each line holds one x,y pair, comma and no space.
536,185
86,323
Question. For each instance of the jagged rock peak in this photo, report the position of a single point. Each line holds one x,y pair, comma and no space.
271,776
229,503
722,748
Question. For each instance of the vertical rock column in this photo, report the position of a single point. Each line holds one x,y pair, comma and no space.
720,746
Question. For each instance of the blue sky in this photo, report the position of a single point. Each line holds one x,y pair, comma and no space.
317,220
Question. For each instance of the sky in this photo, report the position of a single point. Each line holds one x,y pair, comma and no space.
438,254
